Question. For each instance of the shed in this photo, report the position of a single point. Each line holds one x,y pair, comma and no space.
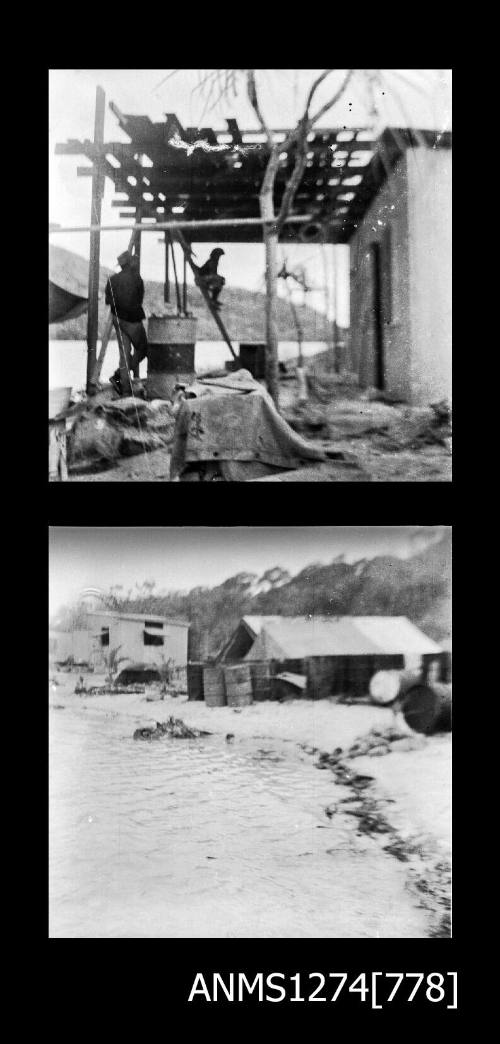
339,655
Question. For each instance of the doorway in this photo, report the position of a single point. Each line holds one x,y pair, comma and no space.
378,322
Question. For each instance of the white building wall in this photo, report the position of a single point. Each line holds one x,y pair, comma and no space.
415,204
176,643
389,210
430,242
128,636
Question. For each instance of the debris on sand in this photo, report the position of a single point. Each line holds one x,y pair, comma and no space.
374,744
434,890
308,419
428,874
419,427
173,727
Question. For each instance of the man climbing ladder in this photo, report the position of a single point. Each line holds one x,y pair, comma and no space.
200,279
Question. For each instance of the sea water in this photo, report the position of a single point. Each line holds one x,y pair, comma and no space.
204,838
68,359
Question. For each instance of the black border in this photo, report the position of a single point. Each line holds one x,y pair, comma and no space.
162,982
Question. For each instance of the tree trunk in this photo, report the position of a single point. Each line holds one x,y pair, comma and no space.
272,371
271,234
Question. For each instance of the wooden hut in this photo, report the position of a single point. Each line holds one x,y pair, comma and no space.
338,655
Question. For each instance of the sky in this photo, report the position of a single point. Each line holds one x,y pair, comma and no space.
420,98
180,558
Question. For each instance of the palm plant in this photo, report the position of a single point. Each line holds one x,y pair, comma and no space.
112,661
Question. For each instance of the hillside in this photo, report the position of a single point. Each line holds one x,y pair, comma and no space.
243,310
418,587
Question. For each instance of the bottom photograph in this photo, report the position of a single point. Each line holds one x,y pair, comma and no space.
250,732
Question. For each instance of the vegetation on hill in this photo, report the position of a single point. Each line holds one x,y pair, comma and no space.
243,310
417,587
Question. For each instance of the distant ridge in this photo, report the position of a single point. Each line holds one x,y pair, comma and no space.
243,310
418,587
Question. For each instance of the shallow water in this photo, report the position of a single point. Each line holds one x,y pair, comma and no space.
200,838
68,359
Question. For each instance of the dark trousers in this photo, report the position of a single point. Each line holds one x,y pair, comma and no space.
129,335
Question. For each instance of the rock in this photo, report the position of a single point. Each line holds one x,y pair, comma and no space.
377,752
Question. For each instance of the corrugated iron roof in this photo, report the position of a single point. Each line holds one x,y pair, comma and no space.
395,634
290,637
256,623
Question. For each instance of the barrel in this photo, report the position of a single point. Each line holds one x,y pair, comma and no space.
426,708
171,345
195,681
261,680
214,687
238,685
384,686
253,358
443,720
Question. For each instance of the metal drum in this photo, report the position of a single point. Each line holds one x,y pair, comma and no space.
214,687
171,345
253,359
238,685
261,680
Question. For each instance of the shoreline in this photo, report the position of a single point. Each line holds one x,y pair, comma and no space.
392,798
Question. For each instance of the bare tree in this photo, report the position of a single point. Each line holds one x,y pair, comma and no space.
218,84
297,138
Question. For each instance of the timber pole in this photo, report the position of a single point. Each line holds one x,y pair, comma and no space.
137,238
166,285
95,244
160,226
336,354
184,285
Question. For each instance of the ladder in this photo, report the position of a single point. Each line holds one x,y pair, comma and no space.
201,286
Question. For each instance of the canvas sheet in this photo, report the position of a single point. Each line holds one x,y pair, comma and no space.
234,419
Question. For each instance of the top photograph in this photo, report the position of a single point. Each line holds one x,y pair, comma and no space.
250,275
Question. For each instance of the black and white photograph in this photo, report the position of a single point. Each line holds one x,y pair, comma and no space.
250,732
250,275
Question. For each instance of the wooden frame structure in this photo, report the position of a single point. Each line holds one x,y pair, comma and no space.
190,175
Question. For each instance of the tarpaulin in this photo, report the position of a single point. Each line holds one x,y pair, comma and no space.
234,419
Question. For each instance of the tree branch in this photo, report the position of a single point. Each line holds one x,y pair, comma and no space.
254,102
314,88
296,175
299,135
333,101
